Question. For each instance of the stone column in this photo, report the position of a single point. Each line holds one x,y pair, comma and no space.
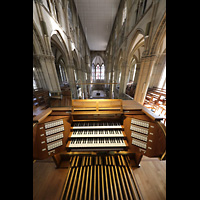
136,73
107,71
81,79
52,73
88,86
71,78
88,71
147,65
111,85
157,72
124,78
131,71
39,73
49,72
114,80
59,75
147,61
36,76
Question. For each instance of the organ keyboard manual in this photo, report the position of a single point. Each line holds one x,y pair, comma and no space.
120,130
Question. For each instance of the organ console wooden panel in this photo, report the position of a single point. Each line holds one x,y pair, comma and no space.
93,128
145,136
50,136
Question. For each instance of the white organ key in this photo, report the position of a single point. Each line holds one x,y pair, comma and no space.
96,133
97,125
97,142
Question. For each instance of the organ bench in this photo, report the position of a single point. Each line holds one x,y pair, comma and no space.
115,132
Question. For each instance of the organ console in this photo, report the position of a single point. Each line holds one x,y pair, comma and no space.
115,132
97,136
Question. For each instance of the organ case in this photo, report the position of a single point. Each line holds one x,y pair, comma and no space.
143,134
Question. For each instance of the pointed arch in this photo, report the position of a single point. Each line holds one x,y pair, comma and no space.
159,36
136,43
98,68
158,48
58,40
38,50
61,55
97,60
117,69
39,47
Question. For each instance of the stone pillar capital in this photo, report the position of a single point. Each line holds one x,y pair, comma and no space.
43,56
146,57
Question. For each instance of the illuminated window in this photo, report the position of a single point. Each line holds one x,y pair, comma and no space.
61,74
69,13
119,77
134,72
34,83
162,82
34,79
93,72
75,75
100,72
124,14
97,72
98,68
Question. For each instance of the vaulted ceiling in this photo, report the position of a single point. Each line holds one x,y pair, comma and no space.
97,18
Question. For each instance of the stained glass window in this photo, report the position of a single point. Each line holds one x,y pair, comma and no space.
102,71
97,72
93,73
